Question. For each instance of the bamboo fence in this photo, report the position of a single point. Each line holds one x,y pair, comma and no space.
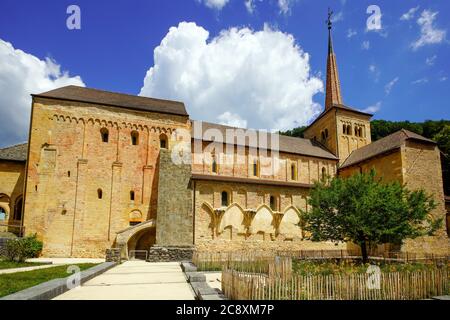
238,285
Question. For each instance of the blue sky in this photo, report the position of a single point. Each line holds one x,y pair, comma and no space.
115,48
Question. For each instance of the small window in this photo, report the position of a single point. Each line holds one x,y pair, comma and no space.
323,135
68,174
225,199
104,134
255,168
214,165
2,214
326,133
163,141
324,173
99,193
134,138
293,172
132,195
273,203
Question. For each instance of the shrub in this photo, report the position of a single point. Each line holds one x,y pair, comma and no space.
21,249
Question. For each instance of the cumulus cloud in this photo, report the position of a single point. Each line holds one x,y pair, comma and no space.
22,74
232,119
373,108
388,87
262,77
410,14
429,34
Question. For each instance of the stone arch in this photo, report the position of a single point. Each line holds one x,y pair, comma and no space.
289,224
131,237
135,217
5,201
208,211
263,221
233,217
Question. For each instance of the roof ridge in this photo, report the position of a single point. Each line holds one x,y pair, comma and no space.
113,92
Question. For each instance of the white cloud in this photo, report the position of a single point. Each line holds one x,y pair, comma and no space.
214,4
410,14
351,33
365,45
428,33
388,87
261,76
431,60
420,81
337,17
285,6
22,74
232,119
373,108
250,6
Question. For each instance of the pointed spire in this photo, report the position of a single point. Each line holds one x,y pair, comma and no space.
333,89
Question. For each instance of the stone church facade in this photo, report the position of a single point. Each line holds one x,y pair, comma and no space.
104,170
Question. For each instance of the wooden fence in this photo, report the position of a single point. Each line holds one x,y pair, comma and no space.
256,261
238,285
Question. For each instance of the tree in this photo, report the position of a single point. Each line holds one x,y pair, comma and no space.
366,211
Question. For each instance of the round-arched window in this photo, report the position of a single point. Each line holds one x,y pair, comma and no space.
2,214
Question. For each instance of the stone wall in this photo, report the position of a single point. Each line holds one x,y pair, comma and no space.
174,221
69,165
249,222
170,253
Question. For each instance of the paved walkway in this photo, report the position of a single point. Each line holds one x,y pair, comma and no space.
135,280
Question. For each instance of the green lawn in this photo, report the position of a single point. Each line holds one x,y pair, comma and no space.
305,267
12,265
13,282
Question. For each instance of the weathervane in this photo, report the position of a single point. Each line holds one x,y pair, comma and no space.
328,21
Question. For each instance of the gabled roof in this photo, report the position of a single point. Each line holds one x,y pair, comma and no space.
88,95
18,152
287,144
386,144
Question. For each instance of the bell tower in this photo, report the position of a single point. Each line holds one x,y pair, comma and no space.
339,128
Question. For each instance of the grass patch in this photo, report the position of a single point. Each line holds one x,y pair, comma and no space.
11,265
14,282
307,268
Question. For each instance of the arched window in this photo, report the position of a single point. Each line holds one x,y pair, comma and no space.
225,199
99,193
324,173
18,209
68,174
273,203
163,141
256,168
293,172
326,133
2,214
323,135
134,138
104,134
344,128
132,195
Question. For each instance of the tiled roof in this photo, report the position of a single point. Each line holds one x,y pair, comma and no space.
287,144
88,95
381,146
17,152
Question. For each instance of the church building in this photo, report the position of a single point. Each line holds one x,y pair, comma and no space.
107,170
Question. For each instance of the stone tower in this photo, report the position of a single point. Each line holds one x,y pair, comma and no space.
339,128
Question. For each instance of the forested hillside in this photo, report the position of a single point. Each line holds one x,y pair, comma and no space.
439,131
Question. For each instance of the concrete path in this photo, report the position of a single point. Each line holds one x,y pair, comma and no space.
135,280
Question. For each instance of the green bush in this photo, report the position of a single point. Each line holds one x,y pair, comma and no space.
21,249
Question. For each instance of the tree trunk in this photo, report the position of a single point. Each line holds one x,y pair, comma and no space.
364,251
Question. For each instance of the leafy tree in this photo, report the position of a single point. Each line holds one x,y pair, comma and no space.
367,211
